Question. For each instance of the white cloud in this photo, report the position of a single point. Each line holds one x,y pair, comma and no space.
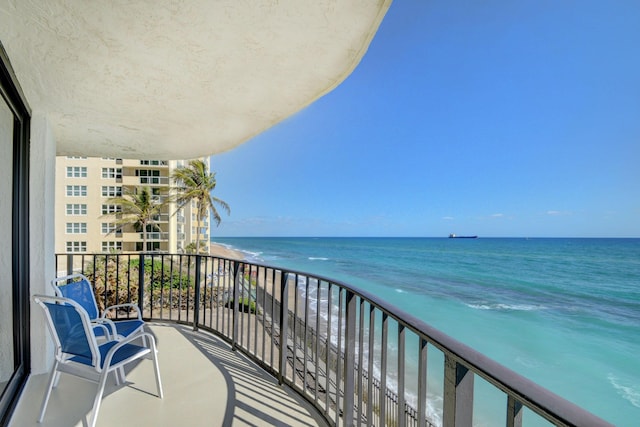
555,213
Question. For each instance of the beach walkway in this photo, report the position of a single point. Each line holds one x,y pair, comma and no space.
205,384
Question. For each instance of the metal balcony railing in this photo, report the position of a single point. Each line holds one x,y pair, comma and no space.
154,236
161,218
358,360
154,180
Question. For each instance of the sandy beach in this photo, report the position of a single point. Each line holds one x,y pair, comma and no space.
224,252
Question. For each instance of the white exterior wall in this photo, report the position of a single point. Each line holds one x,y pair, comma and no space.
41,234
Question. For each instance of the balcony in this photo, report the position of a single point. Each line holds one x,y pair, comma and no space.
356,360
205,383
154,236
161,217
134,181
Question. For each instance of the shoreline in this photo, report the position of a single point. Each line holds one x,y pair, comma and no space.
221,251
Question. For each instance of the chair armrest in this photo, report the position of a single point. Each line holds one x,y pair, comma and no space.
150,339
111,331
117,306
108,326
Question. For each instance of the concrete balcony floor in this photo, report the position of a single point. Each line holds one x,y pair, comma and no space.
205,384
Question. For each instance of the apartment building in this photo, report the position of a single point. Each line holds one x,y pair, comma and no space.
83,213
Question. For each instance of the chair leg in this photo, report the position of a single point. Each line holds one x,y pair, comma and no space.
56,380
52,379
98,400
120,376
156,366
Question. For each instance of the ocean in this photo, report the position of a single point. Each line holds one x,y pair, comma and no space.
562,312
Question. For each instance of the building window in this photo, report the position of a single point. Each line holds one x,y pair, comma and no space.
76,228
76,209
148,176
76,171
76,246
76,190
111,191
111,246
153,162
151,246
111,173
76,157
110,209
108,227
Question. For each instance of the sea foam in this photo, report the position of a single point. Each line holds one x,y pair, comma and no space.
505,307
630,392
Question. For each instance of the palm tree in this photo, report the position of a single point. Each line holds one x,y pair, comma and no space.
137,208
195,182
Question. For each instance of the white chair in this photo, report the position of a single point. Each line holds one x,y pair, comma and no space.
77,352
78,288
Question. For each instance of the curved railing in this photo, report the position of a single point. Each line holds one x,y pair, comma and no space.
357,359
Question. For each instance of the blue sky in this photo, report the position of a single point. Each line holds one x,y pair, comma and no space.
495,118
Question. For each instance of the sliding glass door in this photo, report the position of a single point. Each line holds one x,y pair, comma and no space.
14,240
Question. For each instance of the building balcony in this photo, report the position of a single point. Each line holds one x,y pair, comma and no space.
134,181
145,164
162,218
139,236
205,383
230,332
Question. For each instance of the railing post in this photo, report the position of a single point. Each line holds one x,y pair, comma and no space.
196,296
69,264
349,359
401,367
237,282
141,282
284,324
514,412
458,394
422,383
382,414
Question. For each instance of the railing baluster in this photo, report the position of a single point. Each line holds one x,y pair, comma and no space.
349,357
306,334
317,342
327,348
339,361
401,365
360,361
141,282
273,316
383,370
458,394
514,412
239,270
196,292
422,383
294,336
370,397
70,264
284,325
260,276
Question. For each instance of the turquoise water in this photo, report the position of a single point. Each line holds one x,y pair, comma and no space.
563,312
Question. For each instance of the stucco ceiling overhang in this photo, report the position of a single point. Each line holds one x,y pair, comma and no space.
169,79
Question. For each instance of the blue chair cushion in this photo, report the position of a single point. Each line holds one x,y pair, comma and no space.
123,353
127,327
123,327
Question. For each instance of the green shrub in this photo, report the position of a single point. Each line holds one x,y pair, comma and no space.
245,305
